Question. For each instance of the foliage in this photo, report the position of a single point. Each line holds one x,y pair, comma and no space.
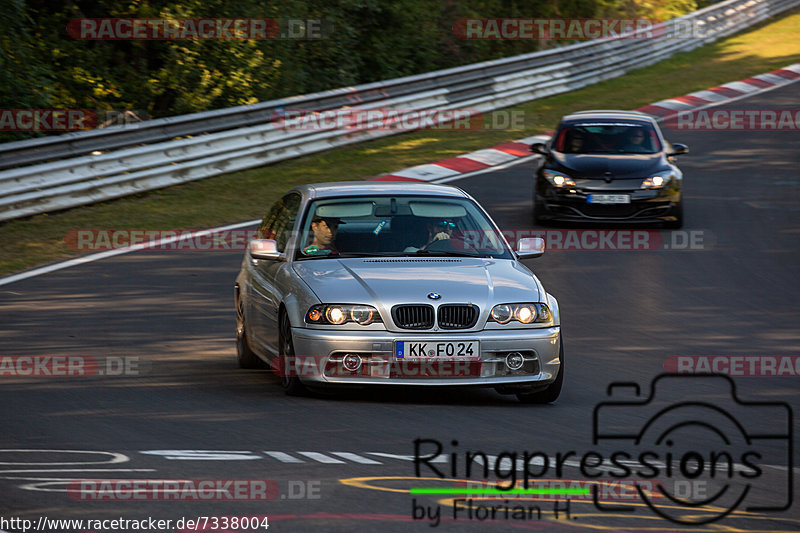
370,40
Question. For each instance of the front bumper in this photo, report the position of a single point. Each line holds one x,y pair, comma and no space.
644,206
320,353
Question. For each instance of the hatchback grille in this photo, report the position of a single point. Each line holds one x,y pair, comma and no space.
457,316
413,316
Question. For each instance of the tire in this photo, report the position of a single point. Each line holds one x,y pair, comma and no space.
245,356
551,393
678,222
292,385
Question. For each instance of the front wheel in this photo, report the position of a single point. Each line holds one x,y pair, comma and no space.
292,385
551,393
678,222
538,208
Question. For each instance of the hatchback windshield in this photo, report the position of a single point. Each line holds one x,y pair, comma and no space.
607,138
398,226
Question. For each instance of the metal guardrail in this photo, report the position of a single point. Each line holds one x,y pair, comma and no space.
52,173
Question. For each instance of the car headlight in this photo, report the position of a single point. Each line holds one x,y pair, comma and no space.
655,182
526,313
338,314
559,179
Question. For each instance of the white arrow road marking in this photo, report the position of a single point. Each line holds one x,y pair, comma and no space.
284,457
356,458
321,457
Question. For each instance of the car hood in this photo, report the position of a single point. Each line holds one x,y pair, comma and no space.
386,282
600,166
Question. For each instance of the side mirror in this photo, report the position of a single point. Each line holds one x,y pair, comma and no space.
540,148
263,249
530,247
678,149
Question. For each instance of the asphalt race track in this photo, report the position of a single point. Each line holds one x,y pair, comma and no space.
343,462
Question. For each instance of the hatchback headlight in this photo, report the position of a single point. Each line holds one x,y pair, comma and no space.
559,179
526,313
655,182
338,314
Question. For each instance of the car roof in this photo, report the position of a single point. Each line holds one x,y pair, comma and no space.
608,114
363,188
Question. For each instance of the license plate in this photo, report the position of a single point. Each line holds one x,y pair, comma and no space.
608,199
436,349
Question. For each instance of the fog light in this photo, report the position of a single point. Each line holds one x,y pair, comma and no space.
514,361
351,362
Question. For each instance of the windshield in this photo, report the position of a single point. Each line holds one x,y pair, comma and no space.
607,138
398,226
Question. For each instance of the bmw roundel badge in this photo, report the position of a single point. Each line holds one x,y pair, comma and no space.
434,295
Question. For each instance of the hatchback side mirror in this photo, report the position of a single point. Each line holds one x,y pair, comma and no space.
540,148
678,149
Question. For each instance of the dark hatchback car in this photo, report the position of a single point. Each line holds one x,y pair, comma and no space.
608,166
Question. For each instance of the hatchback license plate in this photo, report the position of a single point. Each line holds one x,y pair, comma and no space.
429,349
608,199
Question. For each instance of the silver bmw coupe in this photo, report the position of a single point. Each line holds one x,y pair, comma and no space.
387,283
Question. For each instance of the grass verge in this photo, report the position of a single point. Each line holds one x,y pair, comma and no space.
247,195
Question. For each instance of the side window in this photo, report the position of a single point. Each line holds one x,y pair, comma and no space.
267,228
285,220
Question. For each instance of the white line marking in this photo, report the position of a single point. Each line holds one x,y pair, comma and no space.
111,253
438,459
203,455
284,457
321,457
31,470
356,458
115,457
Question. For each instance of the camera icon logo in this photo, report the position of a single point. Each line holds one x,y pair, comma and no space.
707,459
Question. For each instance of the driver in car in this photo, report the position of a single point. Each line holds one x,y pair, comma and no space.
323,236
635,142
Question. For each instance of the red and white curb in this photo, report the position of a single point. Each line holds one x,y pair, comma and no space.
514,152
